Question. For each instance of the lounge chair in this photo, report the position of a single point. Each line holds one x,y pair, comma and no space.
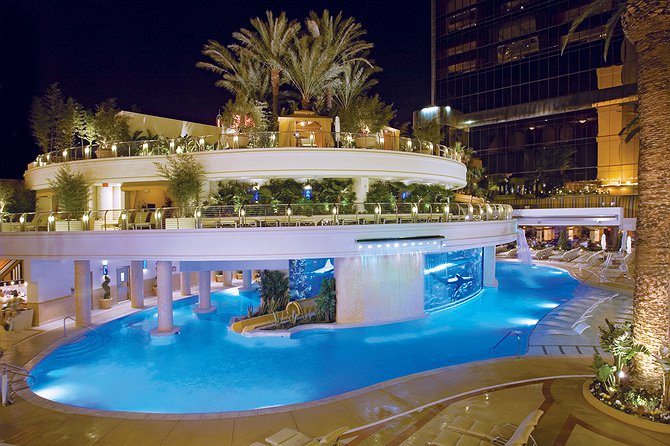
291,437
506,434
543,254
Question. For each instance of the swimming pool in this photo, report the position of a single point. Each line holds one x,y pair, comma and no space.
206,368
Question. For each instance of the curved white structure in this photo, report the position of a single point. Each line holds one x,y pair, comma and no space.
248,244
259,164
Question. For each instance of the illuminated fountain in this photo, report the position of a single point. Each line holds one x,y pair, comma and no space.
523,252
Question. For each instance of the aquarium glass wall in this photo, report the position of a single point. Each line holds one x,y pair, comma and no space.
305,276
452,277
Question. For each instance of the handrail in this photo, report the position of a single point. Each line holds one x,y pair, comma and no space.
6,383
285,139
253,215
75,321
516,333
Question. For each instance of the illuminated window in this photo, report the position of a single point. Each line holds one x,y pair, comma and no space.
518,50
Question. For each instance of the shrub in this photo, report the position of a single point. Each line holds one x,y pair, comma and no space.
185,176
70,189
274,292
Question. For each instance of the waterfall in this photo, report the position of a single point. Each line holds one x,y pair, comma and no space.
523,252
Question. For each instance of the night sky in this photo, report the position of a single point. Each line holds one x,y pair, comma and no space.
144,54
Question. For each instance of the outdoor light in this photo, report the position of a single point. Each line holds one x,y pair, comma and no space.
87,149
85,218
531,128
582,121
409,144
172,144
202,142
51,219
65,153
114,148
123,216
145,146
22,219
179,149
289,211
48,156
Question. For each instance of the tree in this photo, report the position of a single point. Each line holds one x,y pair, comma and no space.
243,114
185,176
243,75
235,193
646,23
71,190
274,291
6,196
54,120
340,38
269,43
430,131
356,79
369,114
110,127
333,190
87,130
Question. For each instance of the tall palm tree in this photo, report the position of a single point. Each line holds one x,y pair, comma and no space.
240,73
269,41
310,68
646,23
342,38
356,78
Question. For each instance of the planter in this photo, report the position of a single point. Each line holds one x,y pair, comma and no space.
104,153
622,416
242,141
366,142
219,277
69,225
180,223
105,304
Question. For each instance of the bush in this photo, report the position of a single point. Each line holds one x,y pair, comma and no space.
274,292
71,190
185,176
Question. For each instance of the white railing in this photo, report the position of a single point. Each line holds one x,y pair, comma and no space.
253,215
303,139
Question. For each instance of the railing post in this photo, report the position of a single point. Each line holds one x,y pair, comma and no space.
4,387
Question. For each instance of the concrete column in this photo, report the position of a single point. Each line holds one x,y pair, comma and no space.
164,300
204,292
227,278
379,288
246,280
185,283
82,292
489,267
136,284
361,187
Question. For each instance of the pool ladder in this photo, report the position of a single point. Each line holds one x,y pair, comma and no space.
516,333
73,320
8,377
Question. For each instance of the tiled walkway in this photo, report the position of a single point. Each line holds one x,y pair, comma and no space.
568,420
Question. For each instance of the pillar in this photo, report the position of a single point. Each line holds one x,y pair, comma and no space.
204,292
379,288
136,284
164,300
82,292
361,187
489,267
185,283
246,280
227,278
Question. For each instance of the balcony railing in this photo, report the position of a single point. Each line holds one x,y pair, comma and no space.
254,215
303,139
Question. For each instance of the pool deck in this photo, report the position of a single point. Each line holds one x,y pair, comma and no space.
384,414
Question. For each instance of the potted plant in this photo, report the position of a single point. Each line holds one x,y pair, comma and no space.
72,194
366,117
185,177
241,118
106,301
110,126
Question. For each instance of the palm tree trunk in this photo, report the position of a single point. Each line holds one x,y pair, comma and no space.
304,101
646,24
274,79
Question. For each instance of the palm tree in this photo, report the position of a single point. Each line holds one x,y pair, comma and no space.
355,80
269,42
646,23
342,39
241,74
310,68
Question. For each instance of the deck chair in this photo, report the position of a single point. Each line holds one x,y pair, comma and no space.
291,437
507,434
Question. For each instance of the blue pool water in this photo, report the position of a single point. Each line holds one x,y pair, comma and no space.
206,368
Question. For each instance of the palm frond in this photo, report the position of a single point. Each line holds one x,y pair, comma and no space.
588,12
609,26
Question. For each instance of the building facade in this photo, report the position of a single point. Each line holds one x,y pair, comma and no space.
536,116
